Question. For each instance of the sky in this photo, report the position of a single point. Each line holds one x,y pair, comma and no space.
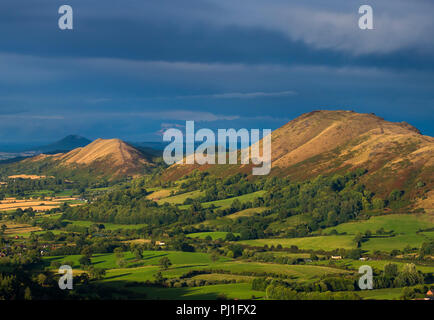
131,69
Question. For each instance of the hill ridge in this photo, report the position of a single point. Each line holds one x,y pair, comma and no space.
396,154
112,156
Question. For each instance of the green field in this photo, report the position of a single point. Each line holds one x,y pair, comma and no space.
27,234
107,225
231,291
289,222
399,223
374,264
381,294
50,193
213,235
108,260
404,227
245,213
226,203
180,198
326,243
398,242
182,262
228,220
300,272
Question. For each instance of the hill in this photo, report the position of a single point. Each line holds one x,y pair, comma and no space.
66,144
102,157
396,155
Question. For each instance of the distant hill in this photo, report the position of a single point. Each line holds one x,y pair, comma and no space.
103,157
150,145
325,142
66,144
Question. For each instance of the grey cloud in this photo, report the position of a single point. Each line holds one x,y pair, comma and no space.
398,25
242,95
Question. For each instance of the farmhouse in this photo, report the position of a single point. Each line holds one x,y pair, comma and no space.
336,257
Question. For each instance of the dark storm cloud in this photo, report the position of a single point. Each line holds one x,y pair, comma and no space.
225,31
243,63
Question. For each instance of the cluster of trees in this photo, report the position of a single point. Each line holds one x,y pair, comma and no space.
215,188
417,292
178,283
20,285
29,188
391,277
427,249
23,187
281,292
125,206
323,201
280,259
327,284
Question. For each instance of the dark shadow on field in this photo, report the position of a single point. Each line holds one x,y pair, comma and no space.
47,261
140,291
155,256
189,266
118,276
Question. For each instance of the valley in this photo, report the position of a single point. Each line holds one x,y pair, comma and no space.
133,228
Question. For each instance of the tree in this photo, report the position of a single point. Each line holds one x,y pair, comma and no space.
27,294
395,195
230,237
165,263
87,252
84,261
185,247
97,273
355,254
159,278
409,276
427,248
378,203
138,253
313,256
407,249
331,218
121,262
119,254
391,270
214,257
42,279
358,239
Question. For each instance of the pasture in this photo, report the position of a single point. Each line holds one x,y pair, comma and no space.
399,223
107,225
326,243
180,198
226,203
